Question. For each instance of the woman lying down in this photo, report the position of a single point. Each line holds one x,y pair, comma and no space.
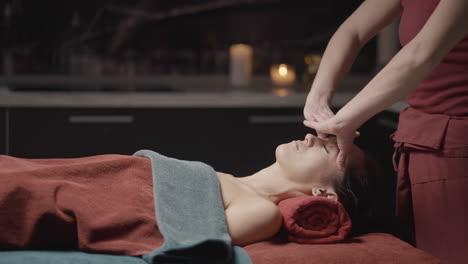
106,204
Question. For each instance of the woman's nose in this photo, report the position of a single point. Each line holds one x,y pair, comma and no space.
310,139
318,192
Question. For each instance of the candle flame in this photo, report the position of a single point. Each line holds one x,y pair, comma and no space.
283,70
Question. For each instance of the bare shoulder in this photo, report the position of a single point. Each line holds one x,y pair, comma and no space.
229,190
252,219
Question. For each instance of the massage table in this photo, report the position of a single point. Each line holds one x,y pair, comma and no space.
367,248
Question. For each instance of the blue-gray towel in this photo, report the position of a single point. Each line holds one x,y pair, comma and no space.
190,214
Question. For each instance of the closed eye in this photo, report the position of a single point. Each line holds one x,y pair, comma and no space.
325,148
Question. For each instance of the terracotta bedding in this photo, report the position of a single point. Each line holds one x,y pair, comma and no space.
376,248
370,248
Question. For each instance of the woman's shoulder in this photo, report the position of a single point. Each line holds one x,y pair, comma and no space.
249,216
232,191
252,219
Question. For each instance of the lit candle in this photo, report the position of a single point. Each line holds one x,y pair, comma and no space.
282,74
240,64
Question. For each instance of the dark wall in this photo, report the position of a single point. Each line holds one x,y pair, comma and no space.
40,32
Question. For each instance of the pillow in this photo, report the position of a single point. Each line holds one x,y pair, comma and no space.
311,220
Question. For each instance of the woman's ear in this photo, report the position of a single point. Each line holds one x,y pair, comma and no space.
325,192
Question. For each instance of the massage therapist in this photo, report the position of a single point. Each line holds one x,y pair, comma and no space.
431,71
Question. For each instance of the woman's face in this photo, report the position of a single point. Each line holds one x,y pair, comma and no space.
309,161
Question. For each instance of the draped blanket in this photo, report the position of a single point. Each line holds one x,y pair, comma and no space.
105,204
190,213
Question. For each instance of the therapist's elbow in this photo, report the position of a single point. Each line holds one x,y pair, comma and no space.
418,57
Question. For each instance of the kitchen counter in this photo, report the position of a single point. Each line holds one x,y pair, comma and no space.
165,99
180,92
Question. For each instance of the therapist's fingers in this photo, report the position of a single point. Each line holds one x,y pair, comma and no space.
318,126
323,130
326,114
322,135
345,143
323,116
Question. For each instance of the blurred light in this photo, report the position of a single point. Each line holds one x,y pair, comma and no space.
283,70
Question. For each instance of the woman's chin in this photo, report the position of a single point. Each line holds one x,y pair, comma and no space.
280,151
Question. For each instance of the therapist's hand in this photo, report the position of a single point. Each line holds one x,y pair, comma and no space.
345,136
317,109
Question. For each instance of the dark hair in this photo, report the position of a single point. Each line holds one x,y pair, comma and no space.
356,193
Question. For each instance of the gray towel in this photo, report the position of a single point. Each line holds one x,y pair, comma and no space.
190,213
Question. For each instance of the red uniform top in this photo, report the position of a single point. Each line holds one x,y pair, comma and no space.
445,90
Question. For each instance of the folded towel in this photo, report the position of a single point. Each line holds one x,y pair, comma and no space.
313,220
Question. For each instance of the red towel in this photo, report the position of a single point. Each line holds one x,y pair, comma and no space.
311,220
98,204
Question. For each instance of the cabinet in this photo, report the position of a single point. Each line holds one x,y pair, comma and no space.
238,141
64,133
234,140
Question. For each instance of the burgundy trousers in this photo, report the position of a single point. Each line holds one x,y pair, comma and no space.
432,188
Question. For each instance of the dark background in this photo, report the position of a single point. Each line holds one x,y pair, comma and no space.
172,35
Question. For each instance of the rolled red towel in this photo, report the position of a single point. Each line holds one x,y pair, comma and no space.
313,220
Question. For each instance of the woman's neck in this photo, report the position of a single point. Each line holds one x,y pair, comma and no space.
272,183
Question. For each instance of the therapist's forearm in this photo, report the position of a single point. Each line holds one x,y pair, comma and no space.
442,31
337,59
390,85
